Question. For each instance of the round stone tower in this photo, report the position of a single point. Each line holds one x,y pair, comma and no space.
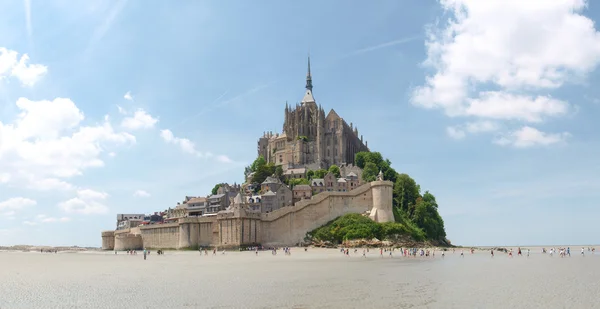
382,191
108,240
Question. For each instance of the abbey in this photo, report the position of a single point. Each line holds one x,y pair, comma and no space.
309,138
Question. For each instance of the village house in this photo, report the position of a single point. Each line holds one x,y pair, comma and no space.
301,192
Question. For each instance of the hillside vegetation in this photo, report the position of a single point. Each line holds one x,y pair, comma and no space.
416,214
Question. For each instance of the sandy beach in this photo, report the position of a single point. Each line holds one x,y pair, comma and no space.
318,278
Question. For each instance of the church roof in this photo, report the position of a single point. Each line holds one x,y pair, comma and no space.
332,115
269,193
308,97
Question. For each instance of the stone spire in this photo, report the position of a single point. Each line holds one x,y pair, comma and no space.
309,77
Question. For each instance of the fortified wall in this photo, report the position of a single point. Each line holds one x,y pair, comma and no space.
238,225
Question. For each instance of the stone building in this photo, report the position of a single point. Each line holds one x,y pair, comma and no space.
310,138
273,200
301,192
271,183
332,184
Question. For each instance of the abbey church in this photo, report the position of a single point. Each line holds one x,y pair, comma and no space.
309,138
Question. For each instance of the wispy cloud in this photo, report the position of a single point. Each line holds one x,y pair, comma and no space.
128,96
211,104
216,104
27,4
383,45
101,30
141,193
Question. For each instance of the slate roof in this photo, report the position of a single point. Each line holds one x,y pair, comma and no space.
317,182
271,179
269,193
302,187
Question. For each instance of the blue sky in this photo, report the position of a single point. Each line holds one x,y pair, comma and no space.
489,105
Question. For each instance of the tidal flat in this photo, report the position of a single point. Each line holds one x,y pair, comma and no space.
318,278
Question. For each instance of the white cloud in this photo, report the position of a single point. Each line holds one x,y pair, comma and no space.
500,59
455,132
189,147
46,219
12,66
141,193
502,105
46,143
40,219
122,111
185,144
4,177
128,96
224,159
87,202
139,120
79,206
459,132
112,154
529,137
88,194
17,203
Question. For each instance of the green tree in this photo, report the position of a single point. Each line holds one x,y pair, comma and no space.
278,171
260,161
320,173
427,218
406,192
360,159
297,181
262,172
370,172
335,170
215,189
430,198
310,174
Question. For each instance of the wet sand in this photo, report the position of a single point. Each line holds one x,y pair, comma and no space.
319,278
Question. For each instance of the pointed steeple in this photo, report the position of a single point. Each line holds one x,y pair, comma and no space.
309,77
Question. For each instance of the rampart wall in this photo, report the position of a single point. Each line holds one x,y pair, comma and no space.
286,226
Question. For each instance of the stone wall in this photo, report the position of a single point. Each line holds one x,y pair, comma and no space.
286,226
289,225
161,236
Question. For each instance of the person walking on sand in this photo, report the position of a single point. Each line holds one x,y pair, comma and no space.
364,253
381,252
492,252
462,254
215,251
582,251
145,253
528,252
519,253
